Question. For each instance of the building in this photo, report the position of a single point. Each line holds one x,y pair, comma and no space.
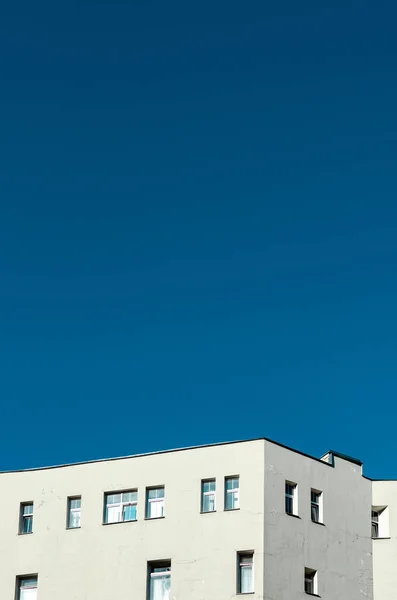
204,523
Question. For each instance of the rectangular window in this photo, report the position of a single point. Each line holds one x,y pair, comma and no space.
380,522
154,503
74,511
316,506
26,518
208,495
121,506
27,588
290,498
245,576
375,523
310,581
232,493
159,580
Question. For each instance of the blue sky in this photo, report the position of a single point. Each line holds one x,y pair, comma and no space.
198,227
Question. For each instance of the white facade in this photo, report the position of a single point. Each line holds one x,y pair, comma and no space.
63,542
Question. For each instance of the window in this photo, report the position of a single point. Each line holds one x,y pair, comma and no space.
159,580
245,579
155,503
380,522
27,588
121,506
232,493
208,495
375,523
316,506
290,498
310,581
74,510
26,518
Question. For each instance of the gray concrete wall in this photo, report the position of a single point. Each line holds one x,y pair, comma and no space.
341,550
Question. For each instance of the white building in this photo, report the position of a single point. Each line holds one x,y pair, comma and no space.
204,523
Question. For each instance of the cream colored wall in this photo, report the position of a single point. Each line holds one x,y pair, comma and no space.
340,550
109,562
384,493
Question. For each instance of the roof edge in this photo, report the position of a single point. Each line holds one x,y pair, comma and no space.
185,448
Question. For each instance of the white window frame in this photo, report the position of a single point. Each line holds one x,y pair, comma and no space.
211,493
21,588
150,501
293,497
318,505
375,523
25,517
380,520
311,578
165,567
245,565
73,511
122,504
233,492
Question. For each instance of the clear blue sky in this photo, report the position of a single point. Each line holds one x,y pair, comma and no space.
198,227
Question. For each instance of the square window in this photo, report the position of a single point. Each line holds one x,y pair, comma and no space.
245,572
120,506
232,492
208,491
155,502
26,518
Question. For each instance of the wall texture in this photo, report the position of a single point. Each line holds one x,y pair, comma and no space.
341,550
384,493
109,562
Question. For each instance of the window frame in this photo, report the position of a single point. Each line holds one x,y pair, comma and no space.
231,493
375,523
310,575
149,501
240,568
209,493
71,511
20,579
317,505
157,564
25,518
122,504
293,498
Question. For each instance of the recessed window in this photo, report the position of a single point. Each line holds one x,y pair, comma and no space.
208,495
232,492
245,573
121,506
375,523
26,518
380,522
310,581
316,506
291,504
74,511
154,503
159,580
27,588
